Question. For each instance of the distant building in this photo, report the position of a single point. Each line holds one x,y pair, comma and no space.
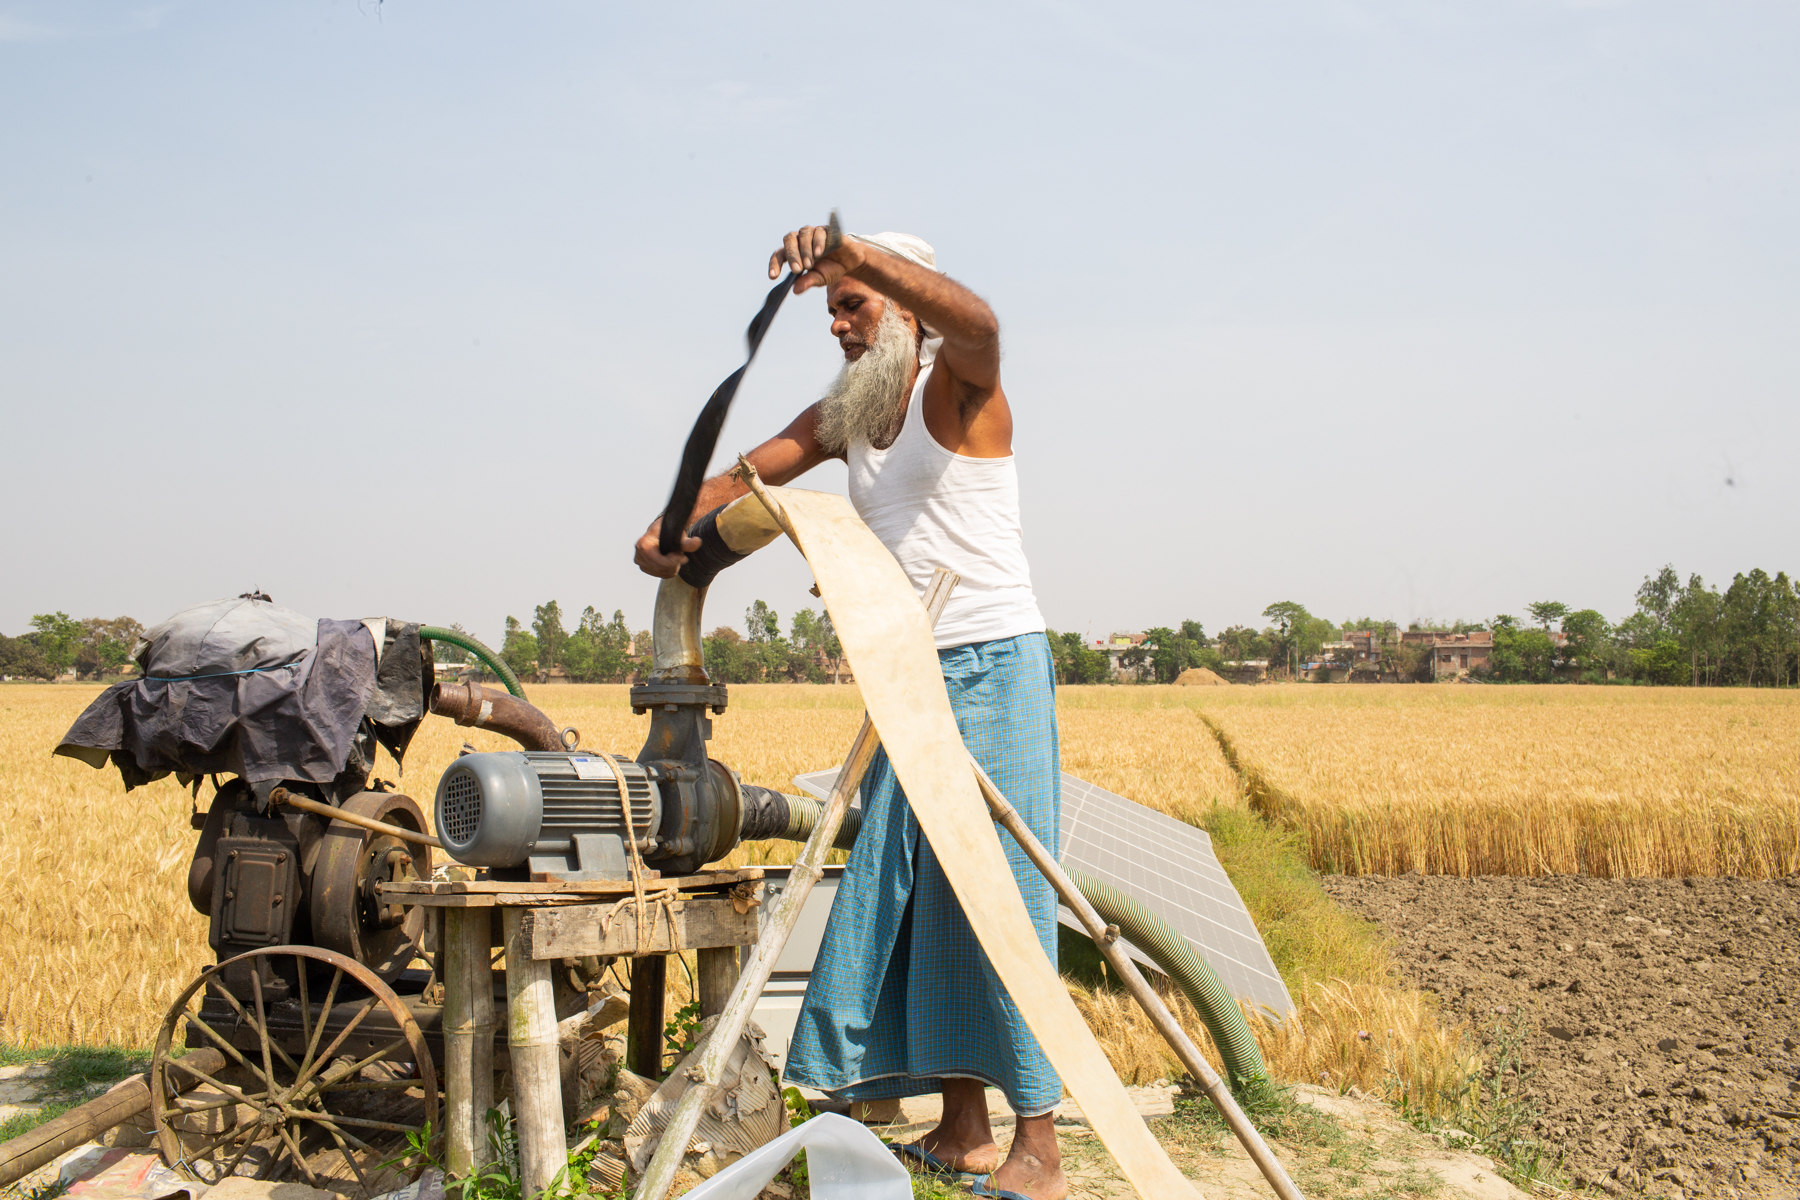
1453,654
1114,646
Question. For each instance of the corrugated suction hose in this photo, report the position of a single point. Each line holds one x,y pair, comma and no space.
803,816
1195,977
772,814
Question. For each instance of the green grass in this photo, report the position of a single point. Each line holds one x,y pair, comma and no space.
1309,937
1271,1108
933,1187
73,1071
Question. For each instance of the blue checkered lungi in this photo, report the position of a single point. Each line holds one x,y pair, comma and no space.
901,995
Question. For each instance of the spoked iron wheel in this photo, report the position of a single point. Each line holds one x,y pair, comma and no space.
305,1084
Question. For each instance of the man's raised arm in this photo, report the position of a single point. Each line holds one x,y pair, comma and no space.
971,332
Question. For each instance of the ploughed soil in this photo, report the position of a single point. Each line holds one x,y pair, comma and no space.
1662,1016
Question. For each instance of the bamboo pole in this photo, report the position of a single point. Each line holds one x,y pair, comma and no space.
36,1147
536,1069
779,926
459,1115
482,1022
468,1038
1106,940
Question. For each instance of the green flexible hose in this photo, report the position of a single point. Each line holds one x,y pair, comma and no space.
1172,952
1165,945
436,633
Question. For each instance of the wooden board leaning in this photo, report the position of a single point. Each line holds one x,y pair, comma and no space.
889,642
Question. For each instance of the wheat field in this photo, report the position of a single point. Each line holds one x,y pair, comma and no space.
1459,780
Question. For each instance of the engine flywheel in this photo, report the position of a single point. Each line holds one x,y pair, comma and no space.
348,914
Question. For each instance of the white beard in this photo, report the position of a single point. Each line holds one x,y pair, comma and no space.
867,394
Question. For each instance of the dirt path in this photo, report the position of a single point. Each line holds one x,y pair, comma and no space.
1660,1014
1335,1147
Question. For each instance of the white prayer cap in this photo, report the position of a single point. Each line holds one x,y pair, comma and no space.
903,245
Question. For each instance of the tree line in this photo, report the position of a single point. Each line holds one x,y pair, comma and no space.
1689,634
1686,633
1162,656
810,653
1294,636
597,650
58,644
607,651
1679,633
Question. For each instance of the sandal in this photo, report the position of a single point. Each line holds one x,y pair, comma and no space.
929,1162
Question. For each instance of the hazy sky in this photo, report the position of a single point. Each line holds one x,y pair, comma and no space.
1395,309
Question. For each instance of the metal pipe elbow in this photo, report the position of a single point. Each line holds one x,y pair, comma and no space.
727,535
679,654
488,708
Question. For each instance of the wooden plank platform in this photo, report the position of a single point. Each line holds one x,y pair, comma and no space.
699,922
711,913
487,893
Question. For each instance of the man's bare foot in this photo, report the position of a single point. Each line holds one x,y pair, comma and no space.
963,1139
1028,1176
1033,1167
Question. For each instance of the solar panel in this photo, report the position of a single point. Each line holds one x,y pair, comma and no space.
1166,865
1169,867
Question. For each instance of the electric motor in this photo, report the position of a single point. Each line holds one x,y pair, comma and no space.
560,816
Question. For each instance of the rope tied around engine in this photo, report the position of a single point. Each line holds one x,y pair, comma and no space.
636,862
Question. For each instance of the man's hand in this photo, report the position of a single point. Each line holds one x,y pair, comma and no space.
652,561
804,252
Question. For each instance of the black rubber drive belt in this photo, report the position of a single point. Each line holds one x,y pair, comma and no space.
704,437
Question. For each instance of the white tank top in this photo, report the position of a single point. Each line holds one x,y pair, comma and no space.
932,508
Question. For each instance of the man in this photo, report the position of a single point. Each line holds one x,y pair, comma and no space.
902,1000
